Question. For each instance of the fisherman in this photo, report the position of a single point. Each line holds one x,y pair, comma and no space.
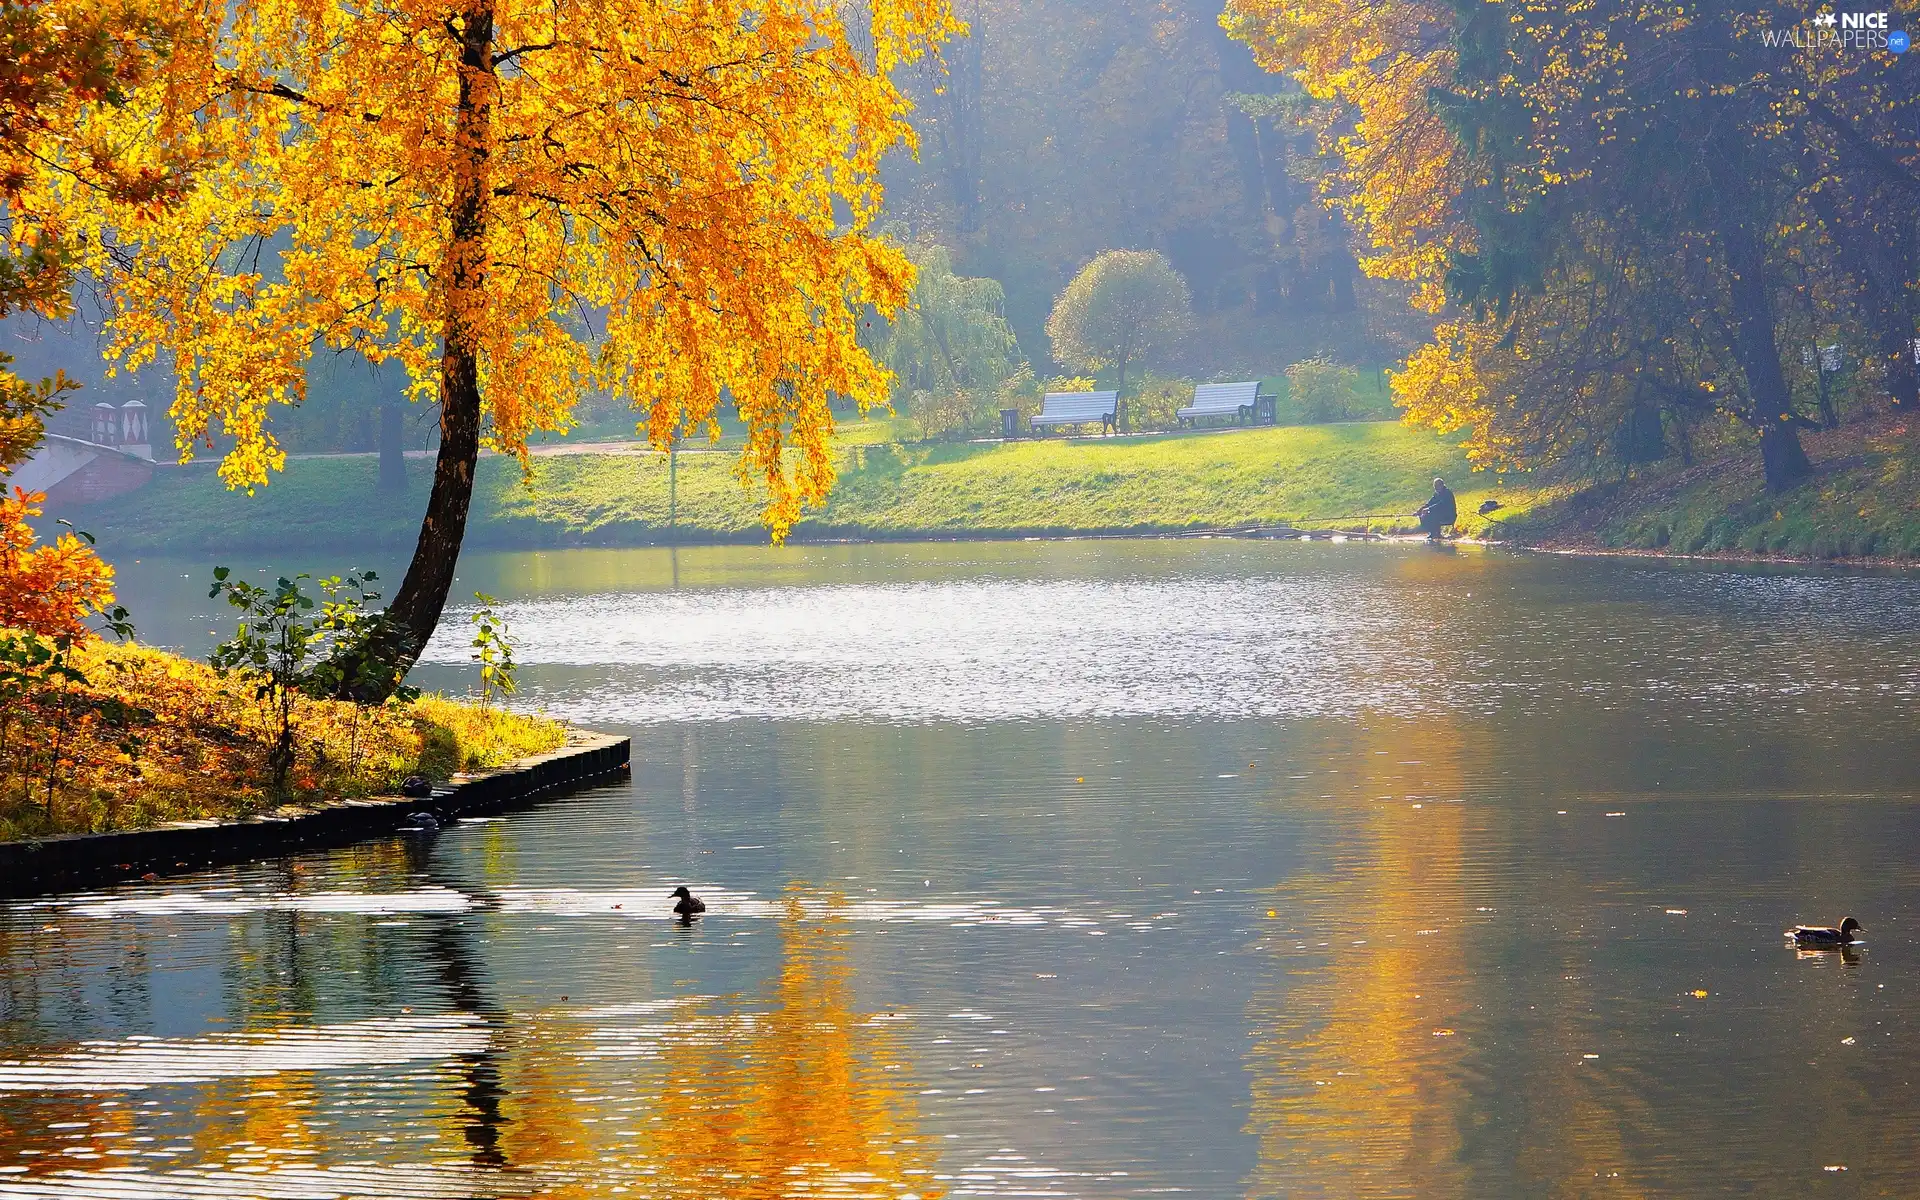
1438,512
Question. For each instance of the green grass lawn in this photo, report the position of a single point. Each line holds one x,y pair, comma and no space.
1260,476
1257,476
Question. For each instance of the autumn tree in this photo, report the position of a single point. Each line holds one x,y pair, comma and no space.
520,203
1615,214
1123,308
56,60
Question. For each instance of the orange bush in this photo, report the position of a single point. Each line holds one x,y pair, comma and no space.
50,589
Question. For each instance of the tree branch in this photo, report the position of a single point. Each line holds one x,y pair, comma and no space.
1868,150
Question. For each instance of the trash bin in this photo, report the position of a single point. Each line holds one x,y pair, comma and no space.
1009,423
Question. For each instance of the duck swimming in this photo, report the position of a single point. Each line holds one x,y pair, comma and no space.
1826,936
685,904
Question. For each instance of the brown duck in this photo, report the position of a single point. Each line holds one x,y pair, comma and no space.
1818,936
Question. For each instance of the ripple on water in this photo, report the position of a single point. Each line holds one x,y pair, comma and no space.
963,651
400,1181
141,1062
638,903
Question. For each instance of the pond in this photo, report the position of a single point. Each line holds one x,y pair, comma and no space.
1082,869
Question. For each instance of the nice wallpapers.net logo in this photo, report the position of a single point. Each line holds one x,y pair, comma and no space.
1847,32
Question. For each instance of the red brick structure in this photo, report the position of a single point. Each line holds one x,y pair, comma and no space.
106,474
91,456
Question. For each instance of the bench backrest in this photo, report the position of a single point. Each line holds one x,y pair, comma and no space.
1224,397
1077,406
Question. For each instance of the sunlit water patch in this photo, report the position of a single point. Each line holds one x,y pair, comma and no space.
1243,632
966,651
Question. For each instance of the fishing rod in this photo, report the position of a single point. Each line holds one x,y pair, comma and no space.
1243,530
1354,517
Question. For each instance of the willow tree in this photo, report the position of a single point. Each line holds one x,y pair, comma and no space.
520,201
951,350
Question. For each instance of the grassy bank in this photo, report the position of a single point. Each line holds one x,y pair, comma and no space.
1259,476
130,737
1862,503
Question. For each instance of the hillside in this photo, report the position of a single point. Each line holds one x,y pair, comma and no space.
1862,503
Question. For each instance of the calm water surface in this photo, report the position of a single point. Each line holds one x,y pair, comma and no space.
1079,870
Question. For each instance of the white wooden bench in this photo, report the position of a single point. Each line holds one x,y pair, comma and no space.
1078,408
1243,401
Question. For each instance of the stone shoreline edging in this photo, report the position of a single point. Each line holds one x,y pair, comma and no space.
32,868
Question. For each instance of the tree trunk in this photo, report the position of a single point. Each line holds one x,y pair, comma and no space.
1784,458
416,607
1758,351
1897,352
393,458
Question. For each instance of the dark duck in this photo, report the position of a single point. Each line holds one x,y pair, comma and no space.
1826,935
685,904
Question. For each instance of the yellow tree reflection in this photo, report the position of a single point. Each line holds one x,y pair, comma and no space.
806,1098
1395,1060
1357,1065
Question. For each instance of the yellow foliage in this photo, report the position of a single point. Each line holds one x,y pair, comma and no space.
1442,388
1537,164
669,202
150,737
1399,166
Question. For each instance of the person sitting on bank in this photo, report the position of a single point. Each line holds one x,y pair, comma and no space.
1438,512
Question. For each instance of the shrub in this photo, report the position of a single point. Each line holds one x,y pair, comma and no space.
1157,402
1322,391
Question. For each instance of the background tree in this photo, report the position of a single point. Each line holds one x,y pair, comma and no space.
1123,308
519,202
1620,217
951,349
1059,128
55,61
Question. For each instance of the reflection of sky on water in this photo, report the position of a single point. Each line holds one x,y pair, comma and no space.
1299,871
966,651
143,1062
1241,631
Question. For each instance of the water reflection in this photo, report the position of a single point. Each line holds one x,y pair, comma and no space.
1224,868
1359,1056
795,1092
1472,999
808,1097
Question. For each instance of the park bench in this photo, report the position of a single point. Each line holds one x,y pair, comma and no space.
1243,401
1078,408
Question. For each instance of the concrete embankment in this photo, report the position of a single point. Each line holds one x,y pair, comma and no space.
82,860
